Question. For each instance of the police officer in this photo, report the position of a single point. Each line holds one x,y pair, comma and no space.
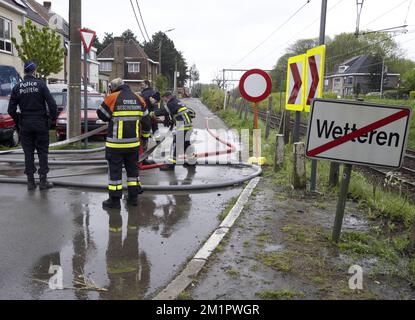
37,110
126,112
181,117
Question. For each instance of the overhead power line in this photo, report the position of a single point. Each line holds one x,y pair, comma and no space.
274,32
138,22
387,12
142,20
298,33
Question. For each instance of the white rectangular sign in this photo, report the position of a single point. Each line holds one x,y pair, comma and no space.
358,133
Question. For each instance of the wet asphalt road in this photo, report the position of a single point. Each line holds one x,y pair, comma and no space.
131,253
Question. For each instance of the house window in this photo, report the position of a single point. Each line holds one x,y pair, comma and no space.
5,35
350,80
105,66
134,67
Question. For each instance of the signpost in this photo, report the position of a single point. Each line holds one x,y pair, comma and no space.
255,86
356,133
87,37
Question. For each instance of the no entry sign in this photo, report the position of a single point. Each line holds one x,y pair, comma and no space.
255,85
358,133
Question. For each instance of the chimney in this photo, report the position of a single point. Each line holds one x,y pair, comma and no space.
119,51
47,5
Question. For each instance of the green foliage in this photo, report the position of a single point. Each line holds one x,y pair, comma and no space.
213,97
43,46
330,95
161,83
169,56
412,95
409,80
391,94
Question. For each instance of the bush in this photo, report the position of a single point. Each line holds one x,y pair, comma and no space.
330,95
391,94
214,98
412,95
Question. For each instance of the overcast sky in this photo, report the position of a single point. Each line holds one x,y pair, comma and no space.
217,34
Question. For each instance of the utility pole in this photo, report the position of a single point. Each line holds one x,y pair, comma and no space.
175,76
382,81
322,41
74,88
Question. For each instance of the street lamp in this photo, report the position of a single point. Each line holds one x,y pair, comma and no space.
161,45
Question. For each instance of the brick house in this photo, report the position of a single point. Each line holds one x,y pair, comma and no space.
357,72
128,61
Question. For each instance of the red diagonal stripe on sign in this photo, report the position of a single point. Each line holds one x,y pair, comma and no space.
316,79
297,83
358,133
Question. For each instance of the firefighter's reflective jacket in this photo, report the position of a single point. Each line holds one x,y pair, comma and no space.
179,113
126,112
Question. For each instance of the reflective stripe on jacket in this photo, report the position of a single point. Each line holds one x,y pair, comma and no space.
128,118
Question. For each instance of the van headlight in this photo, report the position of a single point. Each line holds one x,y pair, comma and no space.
62,121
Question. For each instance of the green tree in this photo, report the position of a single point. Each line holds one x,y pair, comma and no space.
108,39
129,35
409,80
161,83
169,56
43,46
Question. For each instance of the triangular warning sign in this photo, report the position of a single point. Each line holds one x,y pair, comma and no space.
88,37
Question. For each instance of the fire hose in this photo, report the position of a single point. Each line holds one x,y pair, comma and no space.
256,170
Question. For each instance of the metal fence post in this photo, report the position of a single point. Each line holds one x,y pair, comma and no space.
299,177
268,122
279,152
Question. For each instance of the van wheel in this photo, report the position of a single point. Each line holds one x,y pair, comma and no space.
14,140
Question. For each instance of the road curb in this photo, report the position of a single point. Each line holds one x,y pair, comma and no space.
193,268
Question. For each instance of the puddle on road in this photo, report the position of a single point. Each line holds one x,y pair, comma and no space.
131,253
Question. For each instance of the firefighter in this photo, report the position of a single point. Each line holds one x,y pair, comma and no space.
181,117
37,111
126,113
152,98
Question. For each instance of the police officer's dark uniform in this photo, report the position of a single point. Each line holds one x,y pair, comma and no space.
181,117
126,112
37,109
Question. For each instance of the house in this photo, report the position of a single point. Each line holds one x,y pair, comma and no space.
16,12
359,72
128,61
12,14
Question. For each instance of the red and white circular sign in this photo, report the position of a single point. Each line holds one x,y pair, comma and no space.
255,85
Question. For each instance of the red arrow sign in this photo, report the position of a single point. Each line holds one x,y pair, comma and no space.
316,79
297,83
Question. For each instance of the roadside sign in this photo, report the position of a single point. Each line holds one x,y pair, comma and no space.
255,85
87,37
358,133
314,75
295,83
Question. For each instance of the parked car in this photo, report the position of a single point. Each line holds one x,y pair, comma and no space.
8,133
9,77
94,101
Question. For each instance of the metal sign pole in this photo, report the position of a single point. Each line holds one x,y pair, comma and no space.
323,19
86,96
296,135
341,205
